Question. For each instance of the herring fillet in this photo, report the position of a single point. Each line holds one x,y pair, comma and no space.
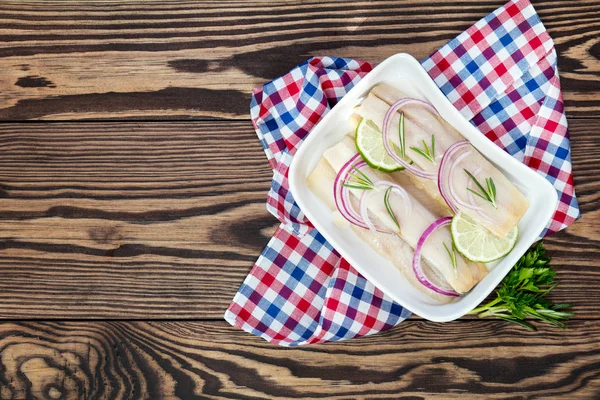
391,247
412,224
425,190
420,124
374,109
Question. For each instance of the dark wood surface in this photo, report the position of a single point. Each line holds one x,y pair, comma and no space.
163,220
146,217
198,60
477,360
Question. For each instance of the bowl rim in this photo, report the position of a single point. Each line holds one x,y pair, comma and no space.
478,140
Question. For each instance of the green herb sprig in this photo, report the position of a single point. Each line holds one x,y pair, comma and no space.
359,180
386,201
427,152
488,194
523,291
402,139
452,255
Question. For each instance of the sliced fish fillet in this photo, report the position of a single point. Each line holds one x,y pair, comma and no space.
391,247
420,124
414,218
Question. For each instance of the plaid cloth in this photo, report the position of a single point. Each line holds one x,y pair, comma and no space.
500,73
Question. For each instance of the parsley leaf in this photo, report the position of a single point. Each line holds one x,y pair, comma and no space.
522,293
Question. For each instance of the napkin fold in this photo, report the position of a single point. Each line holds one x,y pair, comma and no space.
500,74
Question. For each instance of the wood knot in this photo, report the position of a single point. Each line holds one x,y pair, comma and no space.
32,81
40,370
54,393
106,235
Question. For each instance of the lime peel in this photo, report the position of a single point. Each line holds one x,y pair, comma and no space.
476,243
369,143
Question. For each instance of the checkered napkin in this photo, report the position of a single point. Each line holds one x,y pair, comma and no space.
500,73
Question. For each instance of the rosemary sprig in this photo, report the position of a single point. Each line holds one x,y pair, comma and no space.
402,140
452,255
386,201
488,194
360,181
427,152
523,291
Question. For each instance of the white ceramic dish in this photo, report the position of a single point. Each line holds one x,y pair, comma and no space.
404,72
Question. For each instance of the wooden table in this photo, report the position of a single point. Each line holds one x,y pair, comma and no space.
132,190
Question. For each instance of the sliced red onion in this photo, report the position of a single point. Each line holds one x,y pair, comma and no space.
364,212
447,166
341,196
395,188
454,196
417,268
400,191
479,210
348,205
444,174
386,134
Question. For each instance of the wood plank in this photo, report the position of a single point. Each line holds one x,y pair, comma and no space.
129,220
210,360
190,60
154,220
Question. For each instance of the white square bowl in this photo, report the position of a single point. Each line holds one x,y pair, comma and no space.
404,72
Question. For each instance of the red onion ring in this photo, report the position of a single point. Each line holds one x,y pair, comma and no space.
395,107
453,194
442,178
364,213
417,268
395,188
445,187
341,197
447,165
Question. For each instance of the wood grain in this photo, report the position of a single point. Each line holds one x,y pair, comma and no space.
125,220
135,220
210,360
164,220
189,60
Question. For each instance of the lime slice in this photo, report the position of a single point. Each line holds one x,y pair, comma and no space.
476,243
369,143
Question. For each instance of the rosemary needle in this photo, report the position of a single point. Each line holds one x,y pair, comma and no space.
488,194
